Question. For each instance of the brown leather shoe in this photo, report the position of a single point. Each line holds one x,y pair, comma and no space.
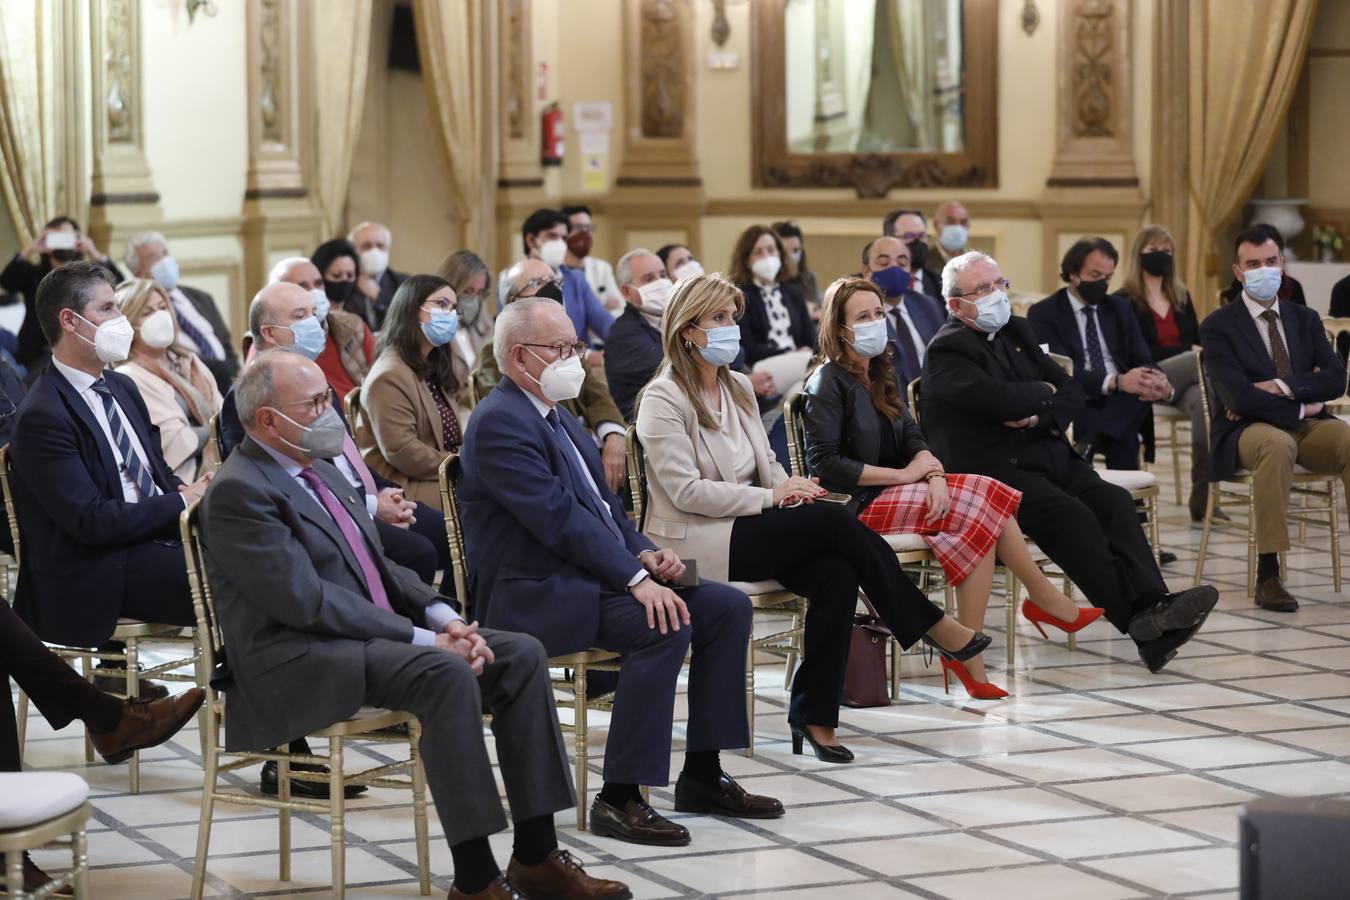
146,723
726,798
115,682
636,823
1271,595
499,889
560,877
34,878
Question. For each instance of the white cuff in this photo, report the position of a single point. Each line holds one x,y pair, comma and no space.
1279,383
423,638
439,615
605,429
1106,384
638,578
372,504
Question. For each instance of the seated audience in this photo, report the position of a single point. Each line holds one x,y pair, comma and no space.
790,234
97,505
318,622
599,274
912,318
468,277
994,404
633,350
593,407
1340,308
911,228
117,727
679,261
1291,290
862,441
201,329
410,421
1100,334
543,236
554,555
28,267
349,349
178,389
377,282
1272,369
951,222
777,332
1166,317
718,495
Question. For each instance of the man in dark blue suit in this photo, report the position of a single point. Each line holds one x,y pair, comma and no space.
553,555
1272,369
1100,334
912,318
633,350
97,505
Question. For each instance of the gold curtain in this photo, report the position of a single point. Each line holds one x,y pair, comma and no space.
29,160
1245,61
448,46
340,49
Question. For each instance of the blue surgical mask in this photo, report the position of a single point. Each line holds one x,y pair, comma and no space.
869,338
309,336
953,237
724,344
995,311
442,327
1263,283
321,303
893,281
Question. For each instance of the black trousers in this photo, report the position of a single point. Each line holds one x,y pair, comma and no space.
1091,530
156,587
56,689
822,552
1117,453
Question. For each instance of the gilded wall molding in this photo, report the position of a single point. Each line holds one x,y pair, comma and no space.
518,147
663,70
658,38
1094,61
121,94
517,88
274,86
269,70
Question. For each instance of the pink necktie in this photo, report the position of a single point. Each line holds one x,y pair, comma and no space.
345,524
353,457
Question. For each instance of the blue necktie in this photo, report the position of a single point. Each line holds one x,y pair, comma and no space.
909,363
580,487
130,461
203,345
1094,344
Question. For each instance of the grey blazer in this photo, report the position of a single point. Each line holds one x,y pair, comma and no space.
290,600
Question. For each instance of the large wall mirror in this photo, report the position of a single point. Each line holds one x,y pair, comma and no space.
875,94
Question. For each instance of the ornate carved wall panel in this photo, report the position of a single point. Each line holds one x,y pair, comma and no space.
659,95
274,99
518,148
662,75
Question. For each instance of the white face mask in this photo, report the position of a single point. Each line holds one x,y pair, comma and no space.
553,252
157,330
690,268
766,267
321,303
112,340
654,295
374,261
561,379
165,272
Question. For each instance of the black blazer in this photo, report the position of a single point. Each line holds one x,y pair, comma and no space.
1236,359
1186,321
22,277
225,369
375,310
843,433
632,355
968,392
1340,307
755,322
76,525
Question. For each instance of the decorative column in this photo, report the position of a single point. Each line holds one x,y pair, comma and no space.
520,178
123,198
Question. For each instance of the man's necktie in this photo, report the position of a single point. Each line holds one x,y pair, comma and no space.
580,486
352,535
1094,343
909,356
352,454
134,465
1278,351
192,331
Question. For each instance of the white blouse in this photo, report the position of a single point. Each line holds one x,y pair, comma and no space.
780,321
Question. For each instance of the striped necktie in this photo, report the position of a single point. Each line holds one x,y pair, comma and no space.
197,336
133,464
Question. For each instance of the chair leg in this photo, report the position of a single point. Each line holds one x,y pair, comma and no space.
133,690
210,763
750,697
14,869
1334,516
1011,589
1210,505
794,645
87,670
1068,592
1251,543
419,788
22,722
80,850
579,742
338,828
284,819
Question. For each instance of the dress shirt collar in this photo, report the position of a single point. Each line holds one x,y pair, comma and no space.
544,408
80,380
291,467
1256,307
1078,305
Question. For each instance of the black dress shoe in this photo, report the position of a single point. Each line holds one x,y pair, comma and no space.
725,798
1158,653
1173,613
1166,557
636,823
824,752
317,790
974,647
1272,595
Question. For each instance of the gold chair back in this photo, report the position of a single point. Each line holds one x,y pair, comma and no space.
448,475
1064,362
795,423
1338,332
11,514
210,640
912,396
637,473
351,406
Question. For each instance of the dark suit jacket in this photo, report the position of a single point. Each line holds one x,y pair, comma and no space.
76,526
1236,358
969,392
22,277
755,322
225,369
1187,325
291,599
375,310
843,432
539,559
928,316
1114,415
632,355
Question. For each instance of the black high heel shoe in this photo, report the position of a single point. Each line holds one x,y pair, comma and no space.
974,647
839,754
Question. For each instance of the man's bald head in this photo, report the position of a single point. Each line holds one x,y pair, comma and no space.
273,310
297,270
884,253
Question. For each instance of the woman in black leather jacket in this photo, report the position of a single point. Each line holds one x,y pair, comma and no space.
860,440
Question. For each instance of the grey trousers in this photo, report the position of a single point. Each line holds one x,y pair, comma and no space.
1181,372
442,691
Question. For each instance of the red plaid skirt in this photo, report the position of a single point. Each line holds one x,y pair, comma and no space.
979,507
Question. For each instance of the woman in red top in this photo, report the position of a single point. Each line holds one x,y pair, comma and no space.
350,349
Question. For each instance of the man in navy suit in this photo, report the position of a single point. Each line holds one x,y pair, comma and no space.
1099,332
553,555
98,507
1272,369
912,318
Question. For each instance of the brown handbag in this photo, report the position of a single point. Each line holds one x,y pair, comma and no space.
865,674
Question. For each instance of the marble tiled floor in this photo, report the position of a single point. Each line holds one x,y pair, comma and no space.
1094,779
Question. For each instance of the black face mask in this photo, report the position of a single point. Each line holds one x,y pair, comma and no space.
550,291
1157,262
1092,292
339,291
65,256
918,254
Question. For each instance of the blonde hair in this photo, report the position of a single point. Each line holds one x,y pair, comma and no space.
134,293
689,301
1172,287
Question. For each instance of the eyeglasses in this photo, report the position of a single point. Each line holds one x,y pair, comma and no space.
316,405
562,350
1002,284
910,237
445,304
589,229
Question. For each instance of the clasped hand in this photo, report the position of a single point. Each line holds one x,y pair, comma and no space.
392,508
462,639
1146,383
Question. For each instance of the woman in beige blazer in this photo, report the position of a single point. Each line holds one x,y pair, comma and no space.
179,391
718,496
410,421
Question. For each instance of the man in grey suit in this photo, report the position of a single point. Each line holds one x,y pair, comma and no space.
317,622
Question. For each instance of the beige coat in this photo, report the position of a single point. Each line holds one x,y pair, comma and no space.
399,433
177,440
691,484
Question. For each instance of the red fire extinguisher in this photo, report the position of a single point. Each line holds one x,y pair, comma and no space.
552,130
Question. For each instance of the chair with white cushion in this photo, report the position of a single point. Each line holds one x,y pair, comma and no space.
44,810
1172,432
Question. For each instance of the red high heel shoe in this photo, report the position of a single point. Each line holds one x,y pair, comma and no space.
978,690
1035,615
